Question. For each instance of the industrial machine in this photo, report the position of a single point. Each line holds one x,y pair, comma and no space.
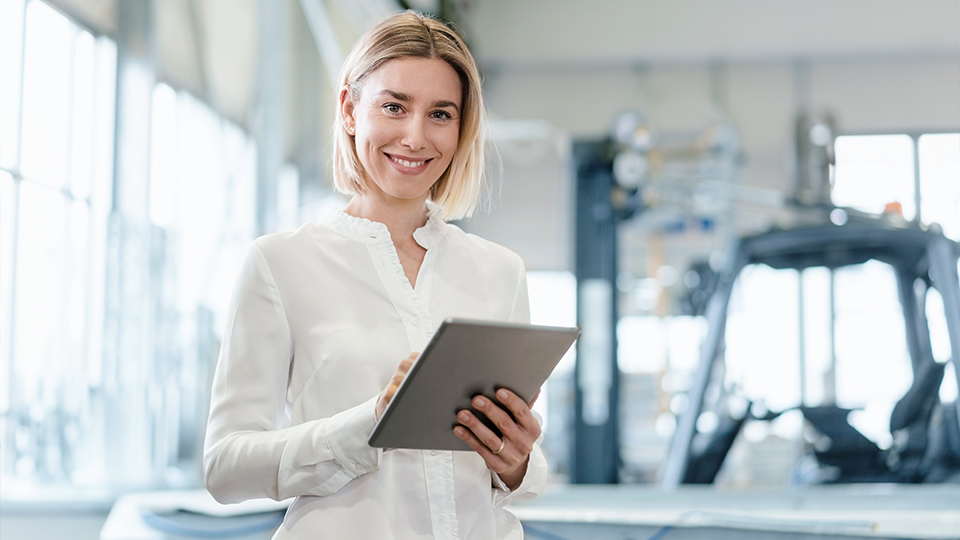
926,445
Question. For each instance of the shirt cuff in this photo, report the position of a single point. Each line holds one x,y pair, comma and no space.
534,479
498,482
533,483
347,435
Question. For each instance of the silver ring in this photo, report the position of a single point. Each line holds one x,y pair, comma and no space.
498,450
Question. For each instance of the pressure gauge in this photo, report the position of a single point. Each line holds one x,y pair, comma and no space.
630,169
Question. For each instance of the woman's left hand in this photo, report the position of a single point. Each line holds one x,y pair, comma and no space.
508,454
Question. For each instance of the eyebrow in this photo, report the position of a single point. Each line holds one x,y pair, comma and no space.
406,97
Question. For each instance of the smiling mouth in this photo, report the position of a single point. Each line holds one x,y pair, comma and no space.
407,164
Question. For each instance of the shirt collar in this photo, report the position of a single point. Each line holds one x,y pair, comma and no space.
372,232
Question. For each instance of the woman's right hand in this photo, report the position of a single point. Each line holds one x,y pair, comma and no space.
394,383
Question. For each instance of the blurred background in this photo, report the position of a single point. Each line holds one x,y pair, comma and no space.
636,147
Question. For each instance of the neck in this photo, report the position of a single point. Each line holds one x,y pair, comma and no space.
401,218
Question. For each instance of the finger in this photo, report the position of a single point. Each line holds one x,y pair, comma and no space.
494,461
484,434
496,414
407,363
402,369
519,408
390,391
394,383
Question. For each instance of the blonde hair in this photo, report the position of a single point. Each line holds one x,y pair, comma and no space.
409,34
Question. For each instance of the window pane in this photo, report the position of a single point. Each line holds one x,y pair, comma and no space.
873,364
11,58
763,338
874,170
940,181
641,344
39,280
7,206
200,179
163,148
239,159
818,354
48,330
553,302
81,142
240,156
46,95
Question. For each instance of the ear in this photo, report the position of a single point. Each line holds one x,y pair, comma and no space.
347,108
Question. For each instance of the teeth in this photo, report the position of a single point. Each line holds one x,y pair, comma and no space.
409,164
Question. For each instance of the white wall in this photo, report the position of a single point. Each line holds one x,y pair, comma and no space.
536,32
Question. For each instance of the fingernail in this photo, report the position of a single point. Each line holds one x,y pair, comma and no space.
479,402
502,394
458,431
463,416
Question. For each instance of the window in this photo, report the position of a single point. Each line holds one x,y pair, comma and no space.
56,142
553,302
940,181
874,170
79,408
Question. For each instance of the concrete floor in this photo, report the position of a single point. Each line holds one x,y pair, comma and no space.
44,526
602,531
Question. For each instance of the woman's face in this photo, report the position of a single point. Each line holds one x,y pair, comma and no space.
406,125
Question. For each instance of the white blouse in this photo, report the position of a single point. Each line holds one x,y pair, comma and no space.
318,321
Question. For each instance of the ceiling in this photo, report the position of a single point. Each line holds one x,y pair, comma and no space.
210,47
545,32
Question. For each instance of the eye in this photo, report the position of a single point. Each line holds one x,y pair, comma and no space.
441,115
393,108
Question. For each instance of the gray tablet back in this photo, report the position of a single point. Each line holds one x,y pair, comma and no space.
466,358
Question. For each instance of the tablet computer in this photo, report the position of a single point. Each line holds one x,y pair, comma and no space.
465,358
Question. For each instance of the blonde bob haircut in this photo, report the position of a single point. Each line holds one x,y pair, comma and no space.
404,35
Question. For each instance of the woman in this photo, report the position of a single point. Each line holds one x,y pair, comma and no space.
321,316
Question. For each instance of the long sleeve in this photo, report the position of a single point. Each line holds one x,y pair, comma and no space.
247,451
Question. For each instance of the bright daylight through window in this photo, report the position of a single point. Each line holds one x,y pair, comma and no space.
63,246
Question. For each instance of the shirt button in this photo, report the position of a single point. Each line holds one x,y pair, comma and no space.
433,452
415,320
440,519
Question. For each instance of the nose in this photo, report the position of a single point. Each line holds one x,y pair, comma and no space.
414,136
